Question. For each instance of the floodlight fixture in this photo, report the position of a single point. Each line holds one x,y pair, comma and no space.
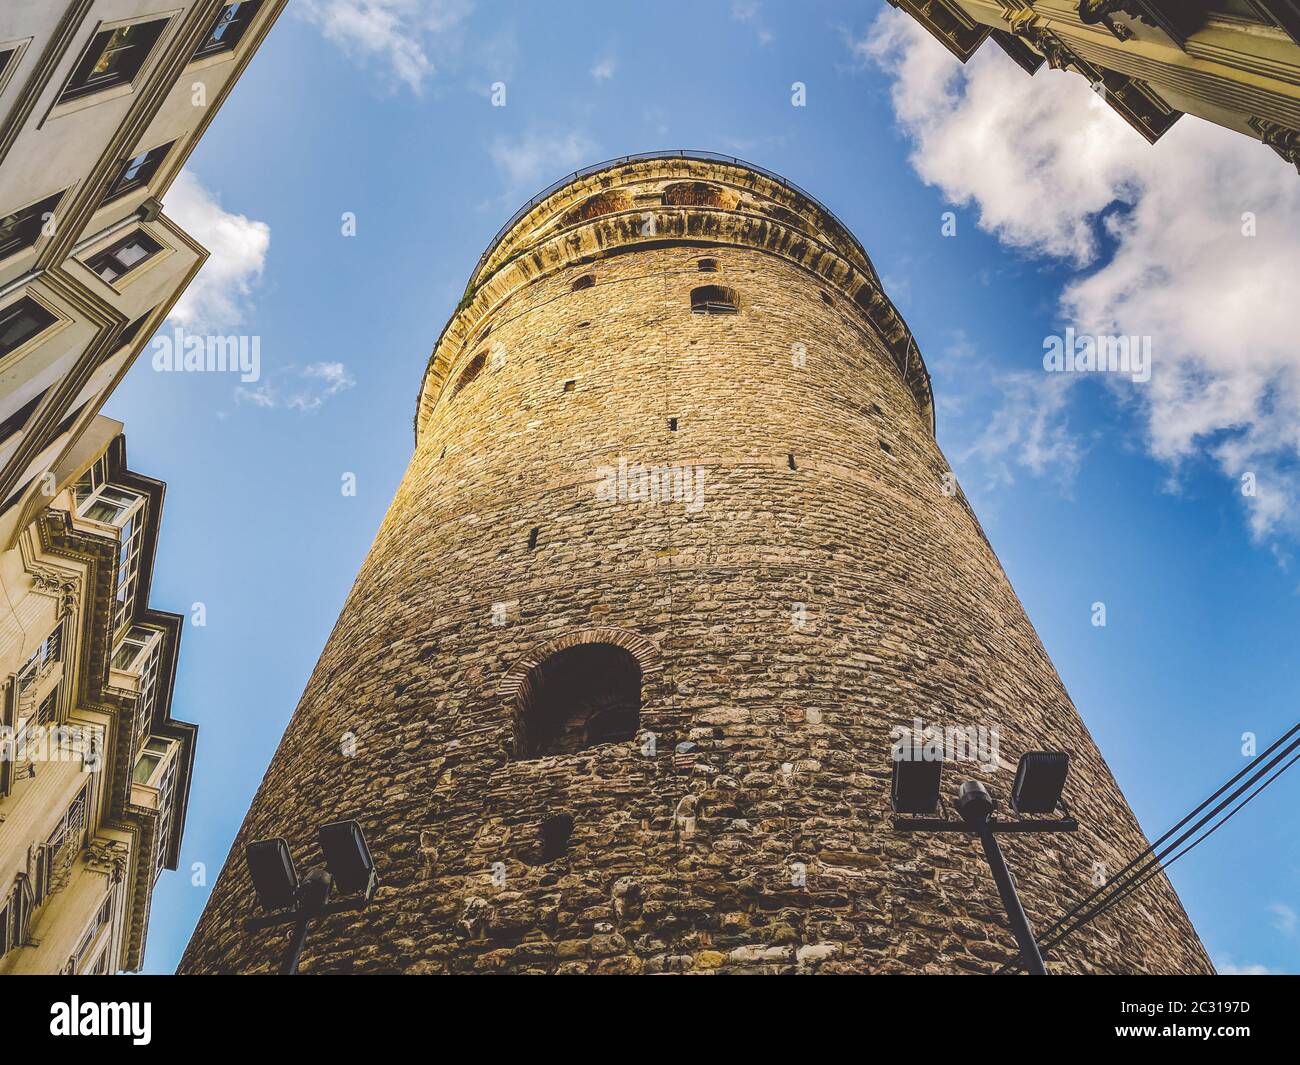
915,788
274,877
1040,779
347,857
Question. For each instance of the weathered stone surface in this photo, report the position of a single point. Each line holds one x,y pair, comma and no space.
826,590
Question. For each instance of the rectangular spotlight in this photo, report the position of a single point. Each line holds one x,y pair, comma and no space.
347,857
1040,779
274,877
915,788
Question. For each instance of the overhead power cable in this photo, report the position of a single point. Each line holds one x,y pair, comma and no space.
1119,888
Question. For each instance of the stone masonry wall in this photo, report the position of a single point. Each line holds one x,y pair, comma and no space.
823,486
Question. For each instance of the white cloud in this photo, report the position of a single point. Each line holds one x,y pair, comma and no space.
1157,232
216,298
397,34
329,379
1285,919
751,13
530,162
1225,966
300,388
1028,429
604,70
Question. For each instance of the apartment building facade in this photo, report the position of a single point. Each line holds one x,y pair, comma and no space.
94,772
101,102
1232,62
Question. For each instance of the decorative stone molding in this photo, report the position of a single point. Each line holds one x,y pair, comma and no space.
108,856
1284,141
1094,12
63,586
947,23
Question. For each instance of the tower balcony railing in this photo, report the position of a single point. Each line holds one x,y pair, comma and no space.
680,153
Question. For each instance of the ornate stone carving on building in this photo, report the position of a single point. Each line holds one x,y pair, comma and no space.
108,856
1284,141
66,587
1150,59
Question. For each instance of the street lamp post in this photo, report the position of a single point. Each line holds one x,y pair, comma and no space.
289,899
1040,779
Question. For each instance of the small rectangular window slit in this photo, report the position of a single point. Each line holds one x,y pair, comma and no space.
790,459
532,537
672,425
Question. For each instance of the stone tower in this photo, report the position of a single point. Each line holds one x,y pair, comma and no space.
675,555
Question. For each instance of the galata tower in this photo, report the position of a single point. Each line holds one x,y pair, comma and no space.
675,560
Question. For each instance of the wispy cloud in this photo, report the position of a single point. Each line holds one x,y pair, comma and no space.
1285,919
1226,966
1029,431
300,388
218,297
1160,235
750,12
401,37
604,70
529,162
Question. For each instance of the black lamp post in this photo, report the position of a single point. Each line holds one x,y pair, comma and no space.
1040,779
288,899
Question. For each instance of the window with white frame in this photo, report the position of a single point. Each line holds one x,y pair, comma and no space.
128,569
147,766
155,768
111,505
141,653
132,646
91,481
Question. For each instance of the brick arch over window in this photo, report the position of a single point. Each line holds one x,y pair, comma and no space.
579,690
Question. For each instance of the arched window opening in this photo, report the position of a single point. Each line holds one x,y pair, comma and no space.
470,372
699,194
597,205
585,281
707,266
580,697
713,299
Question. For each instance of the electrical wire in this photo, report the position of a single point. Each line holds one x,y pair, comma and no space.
1117,888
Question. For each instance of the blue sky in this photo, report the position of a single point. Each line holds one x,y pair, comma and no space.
1090,489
